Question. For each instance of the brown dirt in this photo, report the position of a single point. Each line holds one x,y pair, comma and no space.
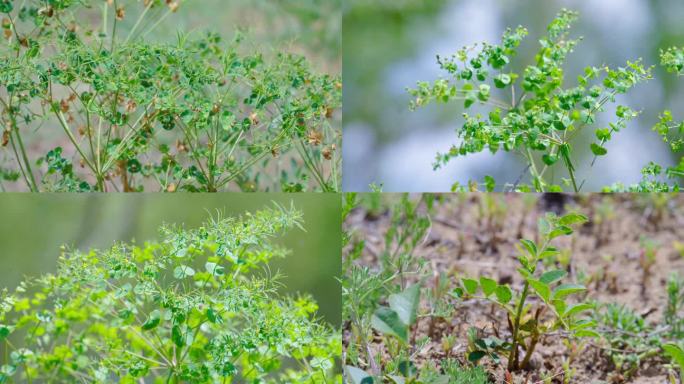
466,240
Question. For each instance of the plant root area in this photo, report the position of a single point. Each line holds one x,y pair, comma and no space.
624,255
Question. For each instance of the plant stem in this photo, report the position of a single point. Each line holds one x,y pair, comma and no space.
539,185
513,356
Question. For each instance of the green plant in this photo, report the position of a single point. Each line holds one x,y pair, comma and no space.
676,353
535,114
527,324
364,289
196,115
631,339
192,307
647,259
674,312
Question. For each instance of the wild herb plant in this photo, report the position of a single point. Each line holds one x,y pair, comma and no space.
536,114
117,112
385,301
630,339
199,306
541,296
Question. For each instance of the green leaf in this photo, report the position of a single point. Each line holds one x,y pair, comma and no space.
483,93
565,290
502,80
559,231
358,376
676,354
530,246
549,252
543,290
503,294
549,159
488,286
387,321
598,150
153,321
214,269
183,271
6,6
551,277
603,134
177,336
470,286
468,101
490,183
4,331
213,316
475,356
405,304
577,308
572,218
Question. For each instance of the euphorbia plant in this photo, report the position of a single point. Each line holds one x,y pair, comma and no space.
198,114
194,307
536,112
540,307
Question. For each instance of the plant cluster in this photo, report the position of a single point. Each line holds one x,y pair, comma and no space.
409,318
535,114
528,324
198,114
192,308
632,340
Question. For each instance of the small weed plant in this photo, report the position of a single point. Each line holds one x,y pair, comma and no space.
534,113
199,306
543,295
111,110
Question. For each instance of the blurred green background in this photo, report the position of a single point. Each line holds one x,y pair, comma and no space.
389,45
33,227
309,27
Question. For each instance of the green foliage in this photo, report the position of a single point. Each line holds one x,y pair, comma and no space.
631,339
193,307
365,290
534,112
673,60
676,353
401,314
674,312
199,114
526,325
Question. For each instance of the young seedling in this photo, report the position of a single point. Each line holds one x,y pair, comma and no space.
190,308
535,114
527,321
195,114
647,259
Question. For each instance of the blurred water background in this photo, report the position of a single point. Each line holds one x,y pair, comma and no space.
391,44
33,227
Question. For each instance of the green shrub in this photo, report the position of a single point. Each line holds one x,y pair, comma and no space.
535,114
193,307
198,114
